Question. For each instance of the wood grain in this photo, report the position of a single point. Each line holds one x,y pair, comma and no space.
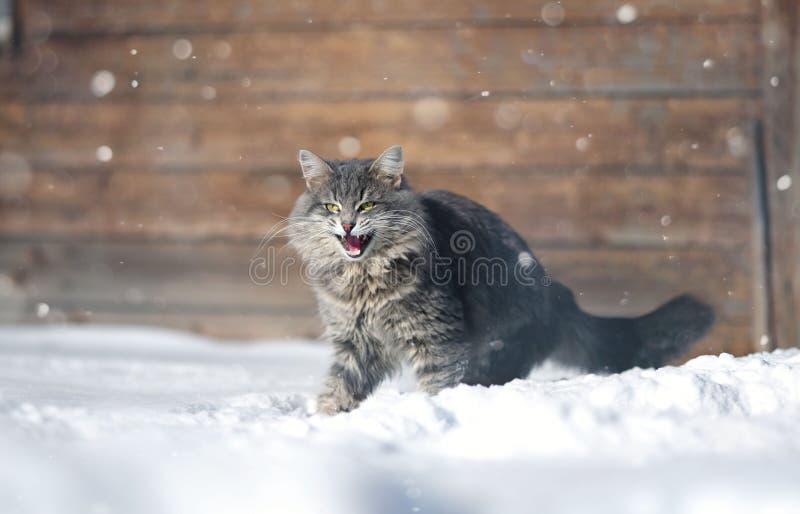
363,62
586,206
208,321
620,151
93,281
606,281
730,337
781,81
661,136
121,16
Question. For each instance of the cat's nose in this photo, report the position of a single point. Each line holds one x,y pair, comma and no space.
347,227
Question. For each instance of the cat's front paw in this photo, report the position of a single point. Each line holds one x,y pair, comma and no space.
329,404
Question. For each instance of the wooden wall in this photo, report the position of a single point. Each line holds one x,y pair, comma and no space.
781,141
622,151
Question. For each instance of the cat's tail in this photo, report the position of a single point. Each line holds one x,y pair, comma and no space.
612,345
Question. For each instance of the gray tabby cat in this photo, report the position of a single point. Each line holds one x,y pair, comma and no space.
440,282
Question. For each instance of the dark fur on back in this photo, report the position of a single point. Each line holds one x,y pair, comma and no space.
448,286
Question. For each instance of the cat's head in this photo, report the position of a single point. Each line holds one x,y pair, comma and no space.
356,208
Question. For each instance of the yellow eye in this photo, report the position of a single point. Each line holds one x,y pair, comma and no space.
366,206
332,207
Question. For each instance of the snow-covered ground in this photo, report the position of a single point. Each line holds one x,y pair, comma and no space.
131,420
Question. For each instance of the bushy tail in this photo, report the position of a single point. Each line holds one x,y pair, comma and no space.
612,345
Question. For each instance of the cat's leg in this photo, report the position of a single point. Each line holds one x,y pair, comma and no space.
430,329
358,368
439,364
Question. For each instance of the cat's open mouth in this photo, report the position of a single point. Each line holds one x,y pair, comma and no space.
354,246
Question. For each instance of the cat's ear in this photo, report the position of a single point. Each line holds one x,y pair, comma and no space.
315,169
389,165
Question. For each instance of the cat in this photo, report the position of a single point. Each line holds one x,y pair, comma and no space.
394,274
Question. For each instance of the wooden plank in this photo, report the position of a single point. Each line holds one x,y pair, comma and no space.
155,277
237,327
781,82
729,336
121,16
762,258
362,62
182,276
209,285
663,135
616,282
586,206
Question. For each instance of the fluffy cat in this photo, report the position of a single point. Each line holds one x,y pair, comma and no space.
438,281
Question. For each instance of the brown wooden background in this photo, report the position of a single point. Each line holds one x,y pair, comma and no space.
624,152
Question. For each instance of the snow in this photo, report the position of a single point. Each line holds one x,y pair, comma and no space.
124,420
627,13
182,49
103,82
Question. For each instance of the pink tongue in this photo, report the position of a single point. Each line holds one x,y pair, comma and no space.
353,244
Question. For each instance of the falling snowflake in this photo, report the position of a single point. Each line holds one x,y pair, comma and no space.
104,153
102,83
552,13
208,92
627,13
431,112
42,310
349,146
182,49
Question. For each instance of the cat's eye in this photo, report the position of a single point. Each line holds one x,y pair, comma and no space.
366,206
332,207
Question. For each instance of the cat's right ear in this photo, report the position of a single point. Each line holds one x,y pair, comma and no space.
315,169
389,165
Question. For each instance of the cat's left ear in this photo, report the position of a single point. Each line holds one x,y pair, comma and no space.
390,165
315,169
